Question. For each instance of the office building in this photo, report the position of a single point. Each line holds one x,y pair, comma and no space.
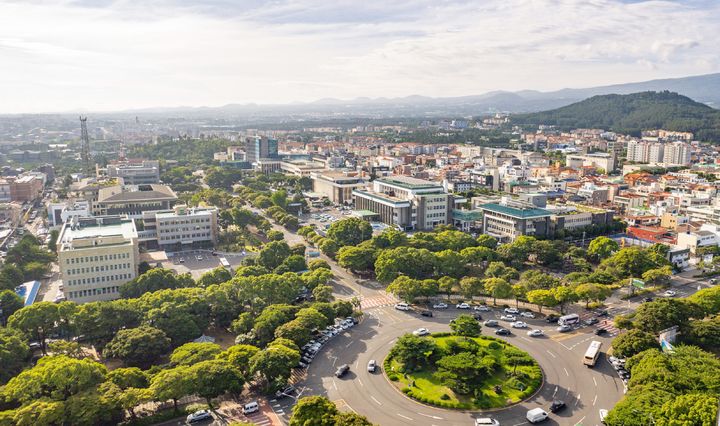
336,186
59,213
407,202
180,228
96,256
26,188
510,219
134,172
257,147
133,200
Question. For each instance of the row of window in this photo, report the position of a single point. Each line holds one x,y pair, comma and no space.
184,222
101,258
173,230
184,236
100,268
95,280
435,215
93,292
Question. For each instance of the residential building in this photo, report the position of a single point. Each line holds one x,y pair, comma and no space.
599,160
26,188
510,219
337,186
694,240
576,216
407,202
677,154
96,256
133,200
10,213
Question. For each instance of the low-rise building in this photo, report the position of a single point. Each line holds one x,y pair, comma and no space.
599,160
180,228
337,186
694,240
135,172
26,188
510,219
133,200
96,256
59,213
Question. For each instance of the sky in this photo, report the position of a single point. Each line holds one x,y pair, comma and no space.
109,55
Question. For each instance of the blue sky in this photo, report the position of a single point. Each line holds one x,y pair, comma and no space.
111,55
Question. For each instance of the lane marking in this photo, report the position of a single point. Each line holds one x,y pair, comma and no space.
580,422
577,399
361,383
525,338
375,399
566,372
555,391
349,344
404,417
595,381
594,400
432,417
551,354
335,384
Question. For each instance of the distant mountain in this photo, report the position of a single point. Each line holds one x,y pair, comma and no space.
632,114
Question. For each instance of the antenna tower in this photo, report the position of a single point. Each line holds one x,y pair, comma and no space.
85,152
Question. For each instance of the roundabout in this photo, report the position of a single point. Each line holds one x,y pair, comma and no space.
585,391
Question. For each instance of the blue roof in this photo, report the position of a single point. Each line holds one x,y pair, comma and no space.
522,213
28,291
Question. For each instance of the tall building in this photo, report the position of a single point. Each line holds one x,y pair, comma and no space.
677,153
260,147
655,153
96,256
637,151
407,202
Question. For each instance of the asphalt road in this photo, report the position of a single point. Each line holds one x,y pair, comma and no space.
584,390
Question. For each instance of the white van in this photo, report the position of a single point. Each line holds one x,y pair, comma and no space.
569,319
536,415
250,407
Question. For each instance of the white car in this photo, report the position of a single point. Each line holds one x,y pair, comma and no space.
535,333
527,314
421,332
481,308
402,306
440,306
519,324
486,421
199,416
670,293
462,306
510,318
250,407
512,311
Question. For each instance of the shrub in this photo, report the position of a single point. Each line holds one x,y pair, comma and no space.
494,345
406,391
393,377
445,397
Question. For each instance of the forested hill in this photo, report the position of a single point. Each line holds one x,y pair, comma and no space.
633,113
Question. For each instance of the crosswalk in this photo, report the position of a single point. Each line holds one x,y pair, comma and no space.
378,301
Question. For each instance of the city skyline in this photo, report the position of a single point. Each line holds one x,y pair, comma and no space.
114,55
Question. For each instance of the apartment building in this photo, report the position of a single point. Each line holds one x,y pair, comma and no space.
599,160
337,186
133,200
180,228
407,202
26,188
96,256
677,154
671,153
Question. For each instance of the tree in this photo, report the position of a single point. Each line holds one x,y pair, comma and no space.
464,371
447,285
632,262
153,280
497,287
14,352
705,333
590,292
274,235
294,330
484,240
69,349
138,346
171,383
212,378
274,364
279,198
541,298
708,299
357,258
318,264
450,263
413,352
131,377
176,320
499,270
477,255
38,413
664,313
323,293
218,275
633,342
55,377
689,410
465,325
192,353
273,254
10,303
294,263
412,262
602,247
351,419
564,295
350,232
270,319
519,292
239,357
471,287
11,276
37,321
409,289
314,411
658,276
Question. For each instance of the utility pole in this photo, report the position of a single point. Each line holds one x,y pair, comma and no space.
85,150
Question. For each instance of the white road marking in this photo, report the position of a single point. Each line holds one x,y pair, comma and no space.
349,344
555,391
356,364
404,417
335,385
520,424
525,338
594,400
375,399
566,372
577,400
580,422
432,417
391,342
551,354
595,381
361,383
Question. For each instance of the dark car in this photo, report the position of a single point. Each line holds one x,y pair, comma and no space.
552,318
557,406
648,299
591,321
477,316
600,331
503,332
602,313
342,370
426,313
288,391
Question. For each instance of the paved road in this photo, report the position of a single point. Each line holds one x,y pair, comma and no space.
584,390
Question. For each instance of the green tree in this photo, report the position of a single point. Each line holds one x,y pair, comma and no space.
351,419
279,198
212,378
412,262
131,377
471,287
192,353
218,275
564,295
487,241
37,321
541,298
689,410
633,342
705,333
274,364
664,313
239,356
447,285
350,232
602,247
11,276
153,280
413,352
138,346
465,325
273,254
409,289
450,263
590,292
323,293
314,411
658,276
10,303
357,258
499,270
463,371
172,383
14,352
318,264
497,287
477,255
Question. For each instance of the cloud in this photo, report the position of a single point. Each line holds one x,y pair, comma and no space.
106,55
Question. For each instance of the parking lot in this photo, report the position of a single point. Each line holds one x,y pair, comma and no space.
324,217
197,262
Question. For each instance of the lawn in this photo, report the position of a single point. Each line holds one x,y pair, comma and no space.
517,382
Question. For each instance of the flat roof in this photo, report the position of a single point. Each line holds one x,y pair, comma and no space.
97,228
409,182
523,213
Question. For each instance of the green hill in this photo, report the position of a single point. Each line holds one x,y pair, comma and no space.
632,114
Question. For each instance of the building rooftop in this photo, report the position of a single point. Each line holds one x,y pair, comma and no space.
519,211
125,193
408,182
94,227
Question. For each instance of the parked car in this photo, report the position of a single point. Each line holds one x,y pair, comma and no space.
600,331
603,413
527,314
462,305
440,306
481,308
250,407
519,324
591,321
426,313
199,416
402,306
421,332
556,406
490,323
477,316
648,299
513,311
503,332
552,318
564,329
670,293
535,333
511,318
486,421
372,366
342,370
287,391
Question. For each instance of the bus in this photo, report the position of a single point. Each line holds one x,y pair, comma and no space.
569,319
225,264
592,353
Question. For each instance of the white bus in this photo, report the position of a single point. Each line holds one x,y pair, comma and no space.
569,319
592,353
225,264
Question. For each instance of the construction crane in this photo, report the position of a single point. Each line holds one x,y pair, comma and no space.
85,151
